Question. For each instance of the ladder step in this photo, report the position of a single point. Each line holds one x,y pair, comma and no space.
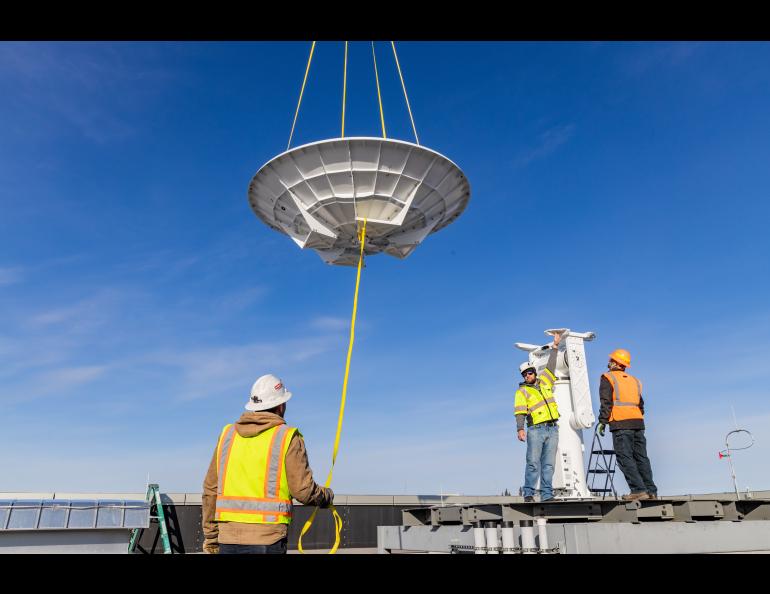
603,452
601,471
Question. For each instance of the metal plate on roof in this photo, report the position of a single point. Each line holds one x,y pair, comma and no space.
63,514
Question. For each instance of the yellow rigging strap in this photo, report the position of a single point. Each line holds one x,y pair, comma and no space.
302,91
344,89
337,519
379,96
401,76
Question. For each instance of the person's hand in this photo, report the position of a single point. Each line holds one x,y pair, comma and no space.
210,547
521,435
600,429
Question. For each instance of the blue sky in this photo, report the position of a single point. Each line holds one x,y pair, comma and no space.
621,188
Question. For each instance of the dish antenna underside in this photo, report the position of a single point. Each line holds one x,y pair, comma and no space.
317,193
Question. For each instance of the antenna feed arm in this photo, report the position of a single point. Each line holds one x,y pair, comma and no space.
524,346
565,332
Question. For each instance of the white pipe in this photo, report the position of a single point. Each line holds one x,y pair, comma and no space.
542,534
509,542
569,474
527,537
479,540
492,542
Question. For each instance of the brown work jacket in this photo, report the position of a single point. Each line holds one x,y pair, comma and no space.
298,474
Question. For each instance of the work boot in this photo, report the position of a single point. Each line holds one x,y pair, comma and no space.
652,495
635,496
529,499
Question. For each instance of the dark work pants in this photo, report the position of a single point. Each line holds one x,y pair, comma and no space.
277,548
631,451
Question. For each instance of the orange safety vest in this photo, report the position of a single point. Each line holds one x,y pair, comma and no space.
626,395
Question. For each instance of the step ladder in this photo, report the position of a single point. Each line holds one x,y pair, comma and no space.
601,462
153,496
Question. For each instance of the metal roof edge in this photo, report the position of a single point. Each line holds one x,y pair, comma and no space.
181,498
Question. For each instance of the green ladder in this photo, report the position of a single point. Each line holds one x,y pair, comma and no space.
153,496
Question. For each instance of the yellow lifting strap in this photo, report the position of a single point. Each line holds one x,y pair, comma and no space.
302,91
401,76
379,96
337,519
344,89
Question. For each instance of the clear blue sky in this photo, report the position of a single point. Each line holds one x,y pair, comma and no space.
622,188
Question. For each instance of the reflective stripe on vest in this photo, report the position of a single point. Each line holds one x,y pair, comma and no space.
626,395
548,377
225,445
253,504
274,462
542,403
253,497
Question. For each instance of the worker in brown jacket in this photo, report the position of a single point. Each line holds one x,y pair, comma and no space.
259,465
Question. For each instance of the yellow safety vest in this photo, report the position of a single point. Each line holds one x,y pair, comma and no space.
251,476
537,400
626,395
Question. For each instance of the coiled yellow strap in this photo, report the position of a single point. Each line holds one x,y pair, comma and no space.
337,519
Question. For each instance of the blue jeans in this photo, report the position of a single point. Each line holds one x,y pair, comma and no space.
631,452
277,548
542,441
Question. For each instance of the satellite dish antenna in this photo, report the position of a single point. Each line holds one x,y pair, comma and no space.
319,192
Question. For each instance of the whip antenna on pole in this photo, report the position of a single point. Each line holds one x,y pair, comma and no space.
727,453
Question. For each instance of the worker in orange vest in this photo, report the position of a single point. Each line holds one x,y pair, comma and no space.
622,407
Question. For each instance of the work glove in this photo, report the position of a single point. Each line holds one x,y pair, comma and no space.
210,547
328,498
600,429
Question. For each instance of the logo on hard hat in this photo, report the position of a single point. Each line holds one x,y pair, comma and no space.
255,399
278,386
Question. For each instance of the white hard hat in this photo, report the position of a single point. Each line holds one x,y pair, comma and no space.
526,365
267,392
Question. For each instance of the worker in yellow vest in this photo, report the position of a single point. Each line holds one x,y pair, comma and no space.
622,407
535,403
259,465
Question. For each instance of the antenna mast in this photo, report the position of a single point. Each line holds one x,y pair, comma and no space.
727,453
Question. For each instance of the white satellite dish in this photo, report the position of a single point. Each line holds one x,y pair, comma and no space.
317,193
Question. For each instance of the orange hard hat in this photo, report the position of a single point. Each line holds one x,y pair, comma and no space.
621,356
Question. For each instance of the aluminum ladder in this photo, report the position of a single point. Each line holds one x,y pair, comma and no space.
601,462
